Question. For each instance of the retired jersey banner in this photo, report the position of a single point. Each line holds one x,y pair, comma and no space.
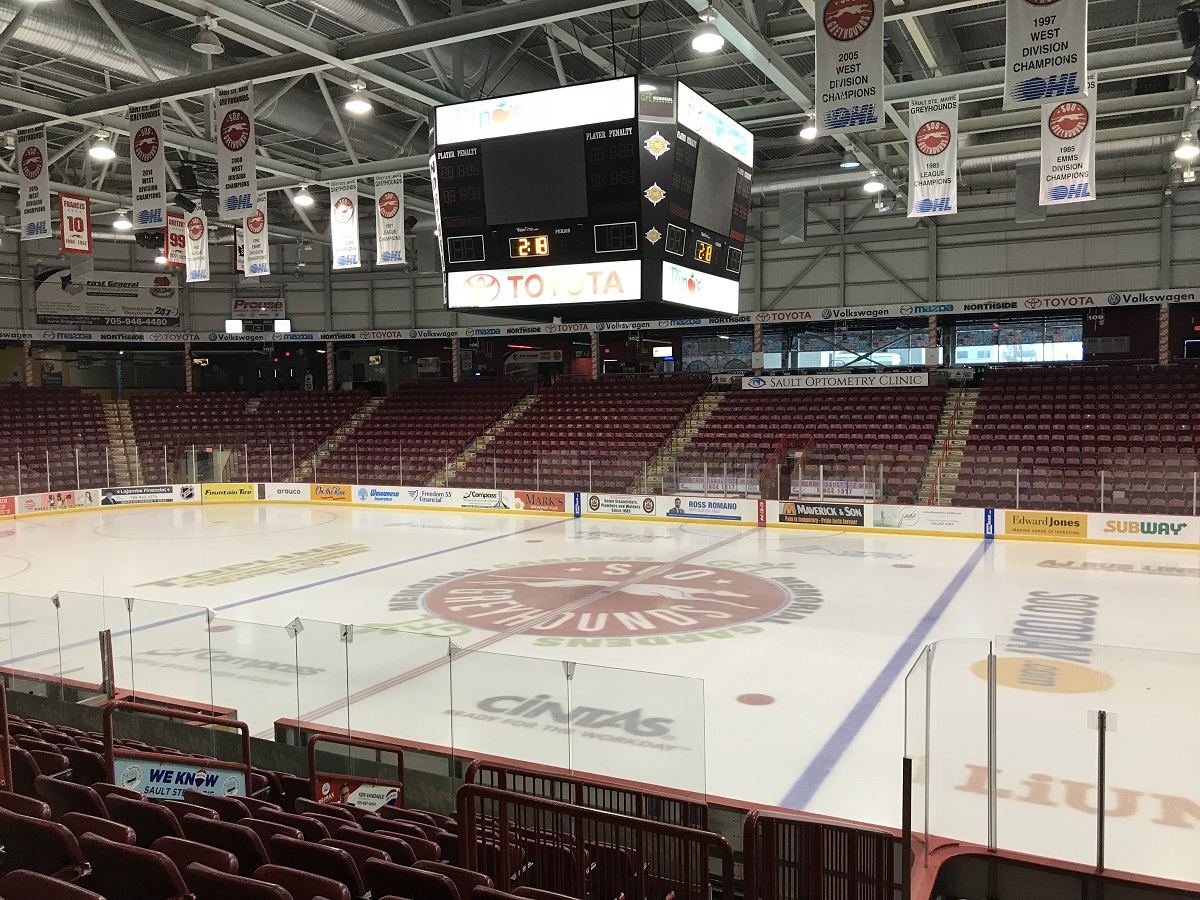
148,167
197,246
1045,54
849,76
34,169
175,240
933,156
254,239
343,221
1069,149
75,224
237,185
389,219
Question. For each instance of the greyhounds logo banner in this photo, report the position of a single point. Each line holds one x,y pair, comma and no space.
237,181
849,74
933,156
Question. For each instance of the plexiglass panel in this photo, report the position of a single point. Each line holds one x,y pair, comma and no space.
168,645
81,618
255,671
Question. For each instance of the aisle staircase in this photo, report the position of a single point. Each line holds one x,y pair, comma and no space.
940,478
121,443
693,420
305,469
442,476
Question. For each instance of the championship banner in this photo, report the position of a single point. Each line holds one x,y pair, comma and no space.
148,167
343,220
175,240
239,250
32,165
849,74
75,224
389,219
933,156
254,239
197,246
1045,53
236,181
1069,149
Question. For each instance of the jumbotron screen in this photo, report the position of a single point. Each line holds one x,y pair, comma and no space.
633,190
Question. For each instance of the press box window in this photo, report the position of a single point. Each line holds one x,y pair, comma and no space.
465,249
617,237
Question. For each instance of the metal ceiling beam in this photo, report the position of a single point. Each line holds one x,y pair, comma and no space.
482,23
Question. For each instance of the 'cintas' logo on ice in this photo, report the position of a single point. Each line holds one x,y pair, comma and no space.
633,721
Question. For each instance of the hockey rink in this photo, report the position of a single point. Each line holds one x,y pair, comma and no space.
770,666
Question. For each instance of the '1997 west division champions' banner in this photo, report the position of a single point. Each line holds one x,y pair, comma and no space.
849,74
1045,52
933,156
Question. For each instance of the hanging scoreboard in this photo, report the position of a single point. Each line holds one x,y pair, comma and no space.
559,202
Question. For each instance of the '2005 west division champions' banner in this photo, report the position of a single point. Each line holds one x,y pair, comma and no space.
849,73
933,156
1045,52
1069,149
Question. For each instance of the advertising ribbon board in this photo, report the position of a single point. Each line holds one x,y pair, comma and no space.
196,233
1045,52
34,171
849,73
148,169
933,156
1068,171
389,219
237,182
343,222
255,241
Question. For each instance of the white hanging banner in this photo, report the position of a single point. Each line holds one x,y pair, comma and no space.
75,224
343,221
197,246
933,156
239,250
1045,53
175,240
849,74
254,240
147,164
33,166
237,183
1069,149
389,219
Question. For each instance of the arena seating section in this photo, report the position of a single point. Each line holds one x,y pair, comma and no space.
58,420
418,428
1063,426
850,429
303,419
609,429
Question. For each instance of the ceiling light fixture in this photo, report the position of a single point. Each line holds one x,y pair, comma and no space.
849,161
358,103
808,131
303,197
707,38
206,40
1187,148
101,149
121,222
873,185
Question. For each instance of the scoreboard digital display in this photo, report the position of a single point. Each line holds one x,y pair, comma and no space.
633,189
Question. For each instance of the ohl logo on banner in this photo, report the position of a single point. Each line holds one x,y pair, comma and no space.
849,70
1045,52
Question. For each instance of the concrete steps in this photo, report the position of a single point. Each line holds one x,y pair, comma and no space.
651,481
940,478
443,475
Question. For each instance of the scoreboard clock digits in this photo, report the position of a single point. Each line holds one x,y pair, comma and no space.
529,245
704,251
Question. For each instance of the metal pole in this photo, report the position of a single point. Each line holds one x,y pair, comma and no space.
725,479
779,480
314,477
706,478
590,490
137,465
47,470
537,471
906,861
821,481
928,743
937,499
1101,789
1101,490
1018,488
991,748
402,465
107,469
293,461
495,478
246,467
166,474
77,485
1193,493
19,488
357,476
270,464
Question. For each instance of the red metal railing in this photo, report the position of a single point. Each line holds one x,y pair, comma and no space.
590,792
5,754
799,857
317,778
591,854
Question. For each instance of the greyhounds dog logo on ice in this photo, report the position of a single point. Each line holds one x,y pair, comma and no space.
605,598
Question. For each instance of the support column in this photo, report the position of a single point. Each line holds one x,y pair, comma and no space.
28,363
758,369
931,361
931,262
187,366
454,362
595,355
1164,334
330,372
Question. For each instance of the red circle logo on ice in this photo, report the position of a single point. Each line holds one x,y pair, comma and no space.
31,162
195,228
623,599
933,137
235,130
389,205
256,222
343,210
846,20
482,287
145,143
1068,120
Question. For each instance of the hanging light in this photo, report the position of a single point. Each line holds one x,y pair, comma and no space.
206,40
1187,148
121,222
161,259
707,38
303,197
101,149
808,131
873,185
358,103
849,161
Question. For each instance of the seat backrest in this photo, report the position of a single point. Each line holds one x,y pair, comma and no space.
408,815
183,853
254,804
131,873
32,886
532,893
25,770
360,853
80,824
464,879
413,836
303,885
181,808
394,846
230,809
149,821
267,830
50,762
40,846
87,766
104,789
308,826
24,806
237,839
388,879
210,884
328,862
304,805
65,797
